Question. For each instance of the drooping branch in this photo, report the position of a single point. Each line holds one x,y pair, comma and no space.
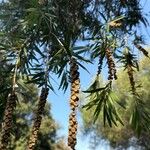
38,118
40,110
111,65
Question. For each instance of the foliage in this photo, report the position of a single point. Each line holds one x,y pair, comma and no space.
39,39
24,114
56,28
120,135
103,99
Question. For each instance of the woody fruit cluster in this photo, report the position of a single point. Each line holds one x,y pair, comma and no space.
111,65
38,118
8,120
74,99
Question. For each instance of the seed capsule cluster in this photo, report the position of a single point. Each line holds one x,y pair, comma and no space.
38,118
111,65
8,117
131,78
140,48
100,64
72,130
75,85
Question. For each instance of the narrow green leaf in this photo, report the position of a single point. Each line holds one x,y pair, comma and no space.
94,90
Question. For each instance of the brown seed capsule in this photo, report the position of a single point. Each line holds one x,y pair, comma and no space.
77,82
76,89
100,64
71,123
73,85
74,68
72,130
72,105
73,97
